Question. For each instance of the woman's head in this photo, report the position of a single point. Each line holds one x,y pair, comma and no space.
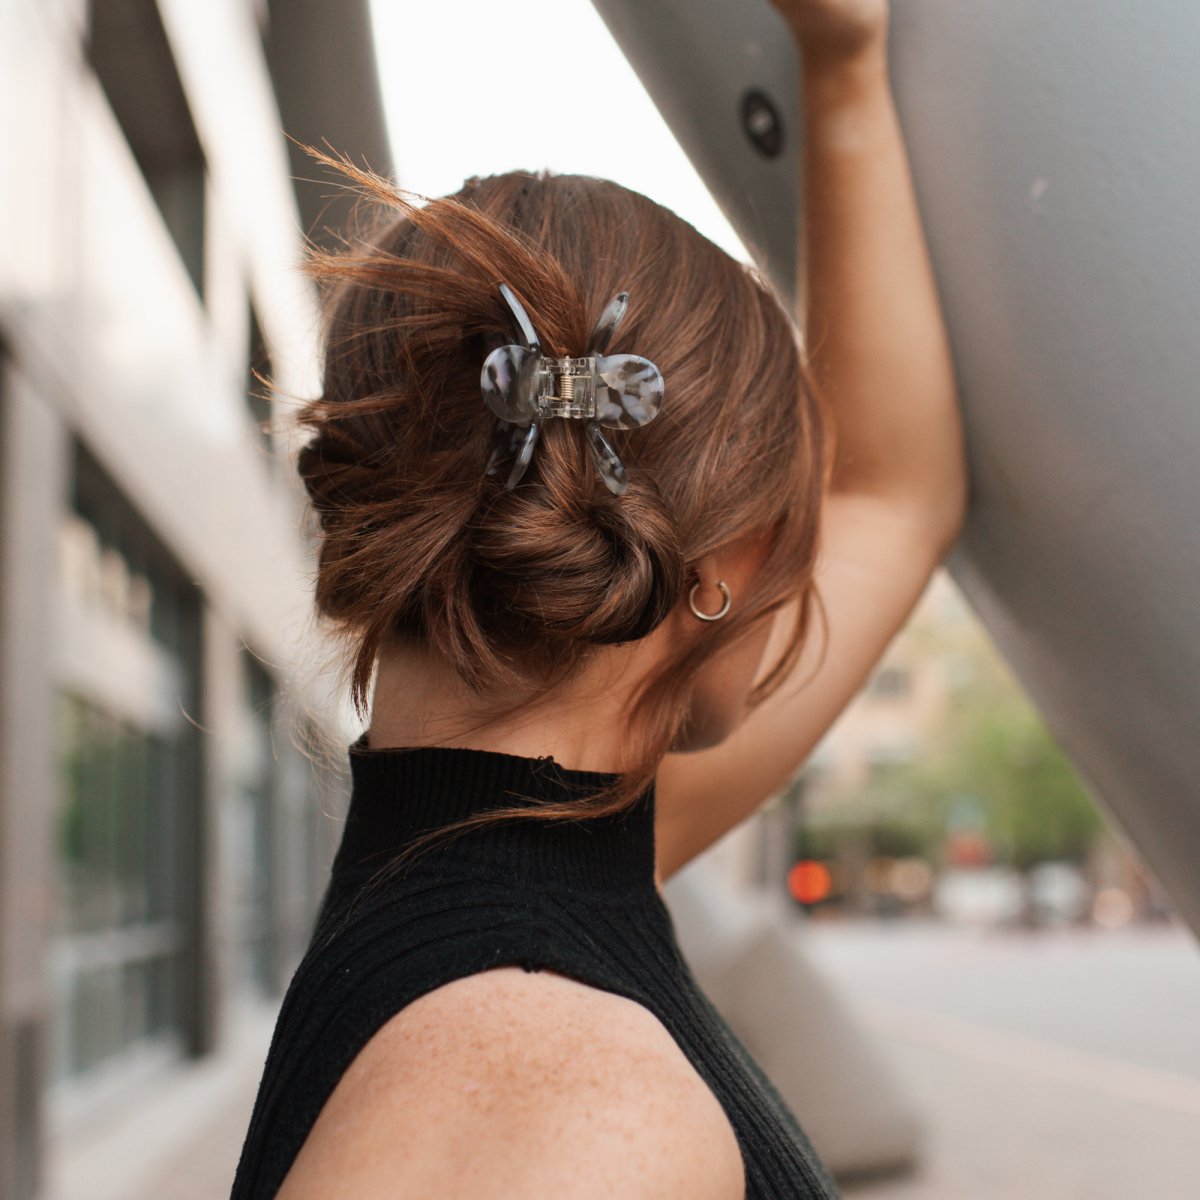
521,588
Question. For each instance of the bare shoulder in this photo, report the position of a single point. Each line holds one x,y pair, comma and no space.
515,1083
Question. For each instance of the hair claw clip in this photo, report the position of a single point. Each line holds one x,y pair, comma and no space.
524,388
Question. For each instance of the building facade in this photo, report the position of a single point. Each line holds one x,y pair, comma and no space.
163,833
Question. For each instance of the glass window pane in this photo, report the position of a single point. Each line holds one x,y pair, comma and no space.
121,920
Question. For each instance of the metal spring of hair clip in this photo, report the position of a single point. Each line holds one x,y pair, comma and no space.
524,388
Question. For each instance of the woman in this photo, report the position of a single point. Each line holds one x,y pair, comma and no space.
583,590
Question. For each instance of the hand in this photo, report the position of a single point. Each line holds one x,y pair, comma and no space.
835,29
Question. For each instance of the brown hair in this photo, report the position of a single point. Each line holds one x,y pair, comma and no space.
517,587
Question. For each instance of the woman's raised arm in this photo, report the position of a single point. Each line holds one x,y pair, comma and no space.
872,320
877,344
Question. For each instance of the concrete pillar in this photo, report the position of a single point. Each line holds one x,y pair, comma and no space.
32,496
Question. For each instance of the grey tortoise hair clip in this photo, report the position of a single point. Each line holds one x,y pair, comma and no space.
524,388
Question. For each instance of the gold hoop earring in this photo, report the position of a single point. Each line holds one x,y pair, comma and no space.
722,611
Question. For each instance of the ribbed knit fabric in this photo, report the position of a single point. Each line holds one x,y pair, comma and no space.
578,898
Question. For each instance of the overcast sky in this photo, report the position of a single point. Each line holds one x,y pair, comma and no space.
470,89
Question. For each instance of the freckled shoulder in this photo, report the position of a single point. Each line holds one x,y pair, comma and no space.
513,1083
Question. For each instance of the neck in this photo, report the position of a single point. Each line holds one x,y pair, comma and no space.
582,724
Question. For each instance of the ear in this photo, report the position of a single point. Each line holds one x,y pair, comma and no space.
707,569
735,562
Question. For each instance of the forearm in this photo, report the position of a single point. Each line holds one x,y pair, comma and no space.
869,306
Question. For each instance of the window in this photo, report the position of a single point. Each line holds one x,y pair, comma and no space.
126,668
894,750
890,683
257,834
118,935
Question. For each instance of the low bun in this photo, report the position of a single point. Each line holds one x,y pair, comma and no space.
562,559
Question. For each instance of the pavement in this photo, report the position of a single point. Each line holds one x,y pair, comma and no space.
204,1171
1044,1066
1057,1065
173,1135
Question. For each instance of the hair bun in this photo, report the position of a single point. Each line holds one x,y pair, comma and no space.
647,571
559,565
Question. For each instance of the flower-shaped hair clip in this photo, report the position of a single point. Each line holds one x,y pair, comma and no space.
524,388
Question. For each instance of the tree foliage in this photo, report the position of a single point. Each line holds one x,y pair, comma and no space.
992,766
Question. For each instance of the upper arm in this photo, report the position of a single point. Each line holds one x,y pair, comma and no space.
511,1083
876,557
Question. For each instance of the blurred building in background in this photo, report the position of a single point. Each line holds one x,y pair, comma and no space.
904,702
940,792
162,847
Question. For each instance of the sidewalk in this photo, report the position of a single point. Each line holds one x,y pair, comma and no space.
205,1170
1007,1124
179,1140
1107,1108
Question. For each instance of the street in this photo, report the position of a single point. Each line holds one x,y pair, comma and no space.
1059,1064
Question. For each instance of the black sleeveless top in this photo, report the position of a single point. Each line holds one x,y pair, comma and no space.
577,897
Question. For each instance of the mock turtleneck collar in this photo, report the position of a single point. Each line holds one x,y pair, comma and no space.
397,794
